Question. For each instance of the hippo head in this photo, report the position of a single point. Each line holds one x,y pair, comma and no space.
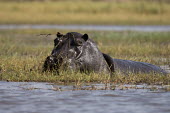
76,52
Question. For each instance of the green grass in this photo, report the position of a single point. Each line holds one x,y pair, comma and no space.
22,55
129,12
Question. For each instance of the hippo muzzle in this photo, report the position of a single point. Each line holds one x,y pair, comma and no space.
52,63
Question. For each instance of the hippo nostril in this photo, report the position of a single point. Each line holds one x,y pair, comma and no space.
50,59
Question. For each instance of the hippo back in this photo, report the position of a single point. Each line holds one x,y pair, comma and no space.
128,66
136,67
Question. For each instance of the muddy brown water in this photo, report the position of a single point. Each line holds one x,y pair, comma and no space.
33,97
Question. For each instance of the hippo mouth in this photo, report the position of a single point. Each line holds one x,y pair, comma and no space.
52,63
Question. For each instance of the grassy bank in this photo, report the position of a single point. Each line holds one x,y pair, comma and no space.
129,12
22,55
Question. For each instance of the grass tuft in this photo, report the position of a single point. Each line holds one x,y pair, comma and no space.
22,55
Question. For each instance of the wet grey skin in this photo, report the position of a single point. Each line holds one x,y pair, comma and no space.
77,52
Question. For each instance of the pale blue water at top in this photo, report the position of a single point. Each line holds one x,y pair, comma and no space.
144,28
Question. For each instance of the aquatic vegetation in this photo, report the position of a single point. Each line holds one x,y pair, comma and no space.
22,55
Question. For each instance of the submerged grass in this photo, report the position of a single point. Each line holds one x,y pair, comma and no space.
128,12
22,55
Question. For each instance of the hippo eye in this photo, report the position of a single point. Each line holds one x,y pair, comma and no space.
79,42
76,43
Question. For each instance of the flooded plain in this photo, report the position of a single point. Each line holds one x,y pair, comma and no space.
33,97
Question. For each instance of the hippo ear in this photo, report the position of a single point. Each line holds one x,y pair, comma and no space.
59,34
85,37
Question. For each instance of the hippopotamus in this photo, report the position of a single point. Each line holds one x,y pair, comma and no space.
78,52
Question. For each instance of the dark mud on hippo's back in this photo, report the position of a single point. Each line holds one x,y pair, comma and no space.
74,51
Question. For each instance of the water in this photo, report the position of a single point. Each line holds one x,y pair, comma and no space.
32,97
144,28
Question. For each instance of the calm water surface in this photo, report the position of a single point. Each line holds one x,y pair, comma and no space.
32,97
144,28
